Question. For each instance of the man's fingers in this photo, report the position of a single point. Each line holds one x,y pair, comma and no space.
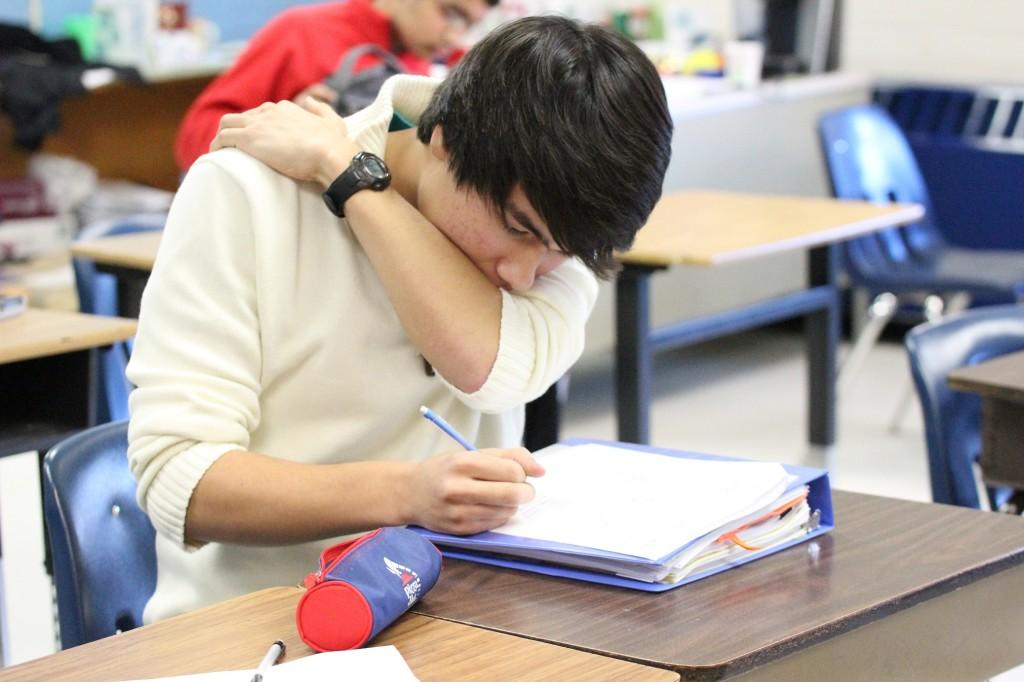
228,137
321,107
232,121
524,459
319,92
488,493
473,518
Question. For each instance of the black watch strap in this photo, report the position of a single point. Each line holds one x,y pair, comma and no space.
366,171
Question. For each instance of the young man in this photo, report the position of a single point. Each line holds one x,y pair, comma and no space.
282,353
294,53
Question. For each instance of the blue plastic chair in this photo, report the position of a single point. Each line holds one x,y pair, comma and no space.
952,419
97,294
869,158
909,268
104,559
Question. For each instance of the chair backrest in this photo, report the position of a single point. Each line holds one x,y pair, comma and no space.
952,418
868,158
104,559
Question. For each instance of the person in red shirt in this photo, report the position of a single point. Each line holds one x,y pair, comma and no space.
289,58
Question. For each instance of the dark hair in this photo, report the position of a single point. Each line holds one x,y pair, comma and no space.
573,113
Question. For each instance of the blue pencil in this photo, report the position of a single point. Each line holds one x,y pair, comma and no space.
446,427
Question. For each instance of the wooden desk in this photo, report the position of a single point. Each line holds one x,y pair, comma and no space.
1000,383
129,258
708,228
234,635
48,373
899,590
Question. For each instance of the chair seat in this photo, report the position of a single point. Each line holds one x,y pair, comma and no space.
994,276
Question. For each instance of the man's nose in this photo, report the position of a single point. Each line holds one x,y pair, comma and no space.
519,270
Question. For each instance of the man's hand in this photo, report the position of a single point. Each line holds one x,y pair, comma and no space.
318,91
308,142
469,492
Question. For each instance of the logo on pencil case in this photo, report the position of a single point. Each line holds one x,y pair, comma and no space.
410,579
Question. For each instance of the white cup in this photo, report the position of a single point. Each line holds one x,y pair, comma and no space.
743,59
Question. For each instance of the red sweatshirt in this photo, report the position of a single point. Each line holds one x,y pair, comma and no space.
299,47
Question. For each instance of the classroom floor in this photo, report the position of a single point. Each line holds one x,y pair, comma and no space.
743,396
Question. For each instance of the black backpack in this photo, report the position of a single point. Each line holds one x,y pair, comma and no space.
358,90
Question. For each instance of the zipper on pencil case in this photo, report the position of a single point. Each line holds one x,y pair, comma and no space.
328,562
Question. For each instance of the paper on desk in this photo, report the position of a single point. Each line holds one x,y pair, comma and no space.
374,664
639,503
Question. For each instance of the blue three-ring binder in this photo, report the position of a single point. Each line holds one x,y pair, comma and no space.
486,547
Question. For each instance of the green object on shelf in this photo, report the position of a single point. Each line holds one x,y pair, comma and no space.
82,27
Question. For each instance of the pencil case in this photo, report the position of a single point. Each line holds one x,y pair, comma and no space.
363,585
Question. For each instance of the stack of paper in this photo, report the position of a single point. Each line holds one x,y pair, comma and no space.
647,516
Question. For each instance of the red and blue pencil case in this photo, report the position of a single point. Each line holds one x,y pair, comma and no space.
363,585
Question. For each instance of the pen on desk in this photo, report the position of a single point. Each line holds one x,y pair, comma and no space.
446,427
273,653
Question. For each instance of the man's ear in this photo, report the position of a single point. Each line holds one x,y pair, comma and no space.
437,147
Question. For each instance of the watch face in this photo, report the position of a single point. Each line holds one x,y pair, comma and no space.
374,171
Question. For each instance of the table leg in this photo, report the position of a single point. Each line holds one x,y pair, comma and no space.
633,354
130,284
821,333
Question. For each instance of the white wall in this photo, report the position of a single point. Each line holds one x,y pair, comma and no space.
948,41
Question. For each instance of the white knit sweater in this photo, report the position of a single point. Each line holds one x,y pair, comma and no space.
264,327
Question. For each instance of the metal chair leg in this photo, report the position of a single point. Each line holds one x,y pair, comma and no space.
935,308
879,313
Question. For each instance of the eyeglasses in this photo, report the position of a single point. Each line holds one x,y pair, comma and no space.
454,15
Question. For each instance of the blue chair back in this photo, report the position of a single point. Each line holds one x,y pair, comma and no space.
104,558
97,294
868,158
952,419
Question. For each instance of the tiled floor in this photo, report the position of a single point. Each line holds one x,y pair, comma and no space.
743,396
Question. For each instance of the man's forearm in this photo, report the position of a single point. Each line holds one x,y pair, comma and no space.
449,309
247,498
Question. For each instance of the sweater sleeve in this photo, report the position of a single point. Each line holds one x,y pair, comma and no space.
197,382
542,334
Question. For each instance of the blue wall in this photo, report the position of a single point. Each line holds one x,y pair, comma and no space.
237,19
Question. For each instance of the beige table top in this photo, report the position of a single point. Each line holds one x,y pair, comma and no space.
707,228
1001,377
136,250
38,333
234,635
688,227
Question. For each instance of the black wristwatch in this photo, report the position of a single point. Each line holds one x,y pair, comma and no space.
367,171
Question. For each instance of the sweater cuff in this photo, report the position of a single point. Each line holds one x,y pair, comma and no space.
171,491
512,378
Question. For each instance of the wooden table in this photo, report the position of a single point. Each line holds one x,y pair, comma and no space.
234,635
1000,383
899,590
48,371
709,228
